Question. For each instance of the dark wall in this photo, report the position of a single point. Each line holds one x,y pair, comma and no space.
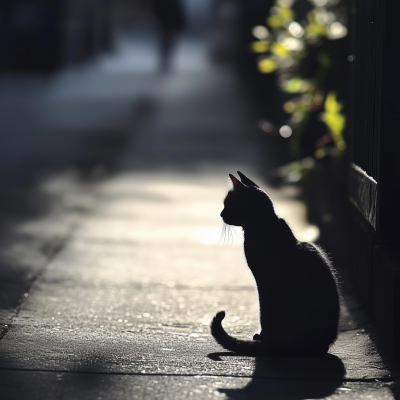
43,35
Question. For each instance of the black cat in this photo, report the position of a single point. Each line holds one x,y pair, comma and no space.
296,283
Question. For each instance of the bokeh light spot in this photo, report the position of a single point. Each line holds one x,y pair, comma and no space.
260,32
285,131
267,65
296,29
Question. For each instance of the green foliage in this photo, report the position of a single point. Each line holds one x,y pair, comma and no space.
305,55
334,120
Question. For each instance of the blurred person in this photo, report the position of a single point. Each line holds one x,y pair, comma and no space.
170,17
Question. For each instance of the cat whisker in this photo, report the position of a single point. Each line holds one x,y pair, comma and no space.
222,229
225,233
226,241
228,234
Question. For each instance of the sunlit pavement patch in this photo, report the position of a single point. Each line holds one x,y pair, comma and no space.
133,350
114,299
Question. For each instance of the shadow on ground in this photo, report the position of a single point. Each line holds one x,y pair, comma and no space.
289,378
320,378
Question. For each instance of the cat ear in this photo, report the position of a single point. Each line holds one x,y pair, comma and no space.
246,180
237,185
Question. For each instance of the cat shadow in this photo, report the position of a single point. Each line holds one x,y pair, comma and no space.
288,378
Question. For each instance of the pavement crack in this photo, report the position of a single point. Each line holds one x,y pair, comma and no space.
51,254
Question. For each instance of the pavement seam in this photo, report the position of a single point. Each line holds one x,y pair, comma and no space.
366,380
56,249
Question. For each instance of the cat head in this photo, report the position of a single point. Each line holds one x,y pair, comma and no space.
246,203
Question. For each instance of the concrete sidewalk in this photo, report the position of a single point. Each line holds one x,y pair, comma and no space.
120,279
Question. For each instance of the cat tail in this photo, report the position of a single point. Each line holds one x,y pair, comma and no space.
257,347
230,343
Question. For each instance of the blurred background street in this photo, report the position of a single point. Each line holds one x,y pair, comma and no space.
118,133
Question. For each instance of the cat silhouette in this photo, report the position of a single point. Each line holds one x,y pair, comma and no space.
296,282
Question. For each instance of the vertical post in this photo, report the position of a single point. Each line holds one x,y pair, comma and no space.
374,184
388,221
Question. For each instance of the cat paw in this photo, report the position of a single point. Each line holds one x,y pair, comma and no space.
257,337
